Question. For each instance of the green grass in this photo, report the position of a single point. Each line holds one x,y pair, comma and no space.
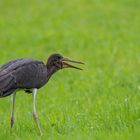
101,102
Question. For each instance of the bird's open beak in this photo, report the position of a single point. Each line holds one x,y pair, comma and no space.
66,65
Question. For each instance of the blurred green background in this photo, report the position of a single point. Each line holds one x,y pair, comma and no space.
101,102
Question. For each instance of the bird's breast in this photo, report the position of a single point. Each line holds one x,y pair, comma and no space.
41,78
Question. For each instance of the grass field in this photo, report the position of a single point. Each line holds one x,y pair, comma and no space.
101,102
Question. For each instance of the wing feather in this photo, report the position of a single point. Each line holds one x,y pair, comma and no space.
11,65
6,82
9,75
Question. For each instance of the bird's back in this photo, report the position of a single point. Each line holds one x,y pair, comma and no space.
14,64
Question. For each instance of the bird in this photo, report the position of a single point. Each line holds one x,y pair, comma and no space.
30,75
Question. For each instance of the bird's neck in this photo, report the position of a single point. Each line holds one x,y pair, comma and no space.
51,70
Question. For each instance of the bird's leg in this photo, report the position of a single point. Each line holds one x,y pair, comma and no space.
34,92
12,113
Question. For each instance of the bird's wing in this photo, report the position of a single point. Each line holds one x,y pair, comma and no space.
6,76
6,81
8,73
11,65
32,75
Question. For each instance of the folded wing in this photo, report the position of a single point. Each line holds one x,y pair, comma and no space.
8,77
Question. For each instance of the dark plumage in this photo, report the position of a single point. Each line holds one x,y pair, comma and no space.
29,75
22,74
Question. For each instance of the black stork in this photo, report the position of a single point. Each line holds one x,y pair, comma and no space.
30,75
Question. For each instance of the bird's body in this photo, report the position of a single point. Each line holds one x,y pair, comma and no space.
24,74
29,75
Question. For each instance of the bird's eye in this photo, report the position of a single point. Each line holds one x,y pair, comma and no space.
58,57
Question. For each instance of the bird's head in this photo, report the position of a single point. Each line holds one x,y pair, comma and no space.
57,61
